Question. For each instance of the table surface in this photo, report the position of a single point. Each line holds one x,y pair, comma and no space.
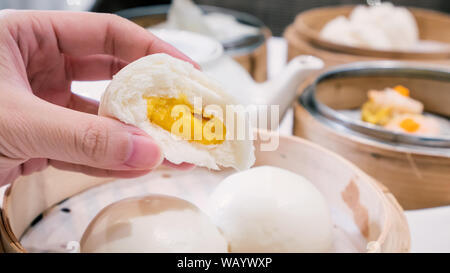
430,228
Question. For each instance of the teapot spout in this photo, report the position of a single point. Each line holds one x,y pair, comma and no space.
283,89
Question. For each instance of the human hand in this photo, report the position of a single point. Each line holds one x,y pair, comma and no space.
41,122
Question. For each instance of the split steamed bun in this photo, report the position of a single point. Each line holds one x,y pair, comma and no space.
142,94
154,223
267,209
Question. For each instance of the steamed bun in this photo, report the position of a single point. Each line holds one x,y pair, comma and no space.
154,223
382,27
267,209
145,94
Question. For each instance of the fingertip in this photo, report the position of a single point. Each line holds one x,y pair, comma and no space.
197,66
161,46
180,55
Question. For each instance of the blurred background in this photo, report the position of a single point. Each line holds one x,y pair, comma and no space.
276,14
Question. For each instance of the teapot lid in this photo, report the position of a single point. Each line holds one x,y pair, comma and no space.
200,48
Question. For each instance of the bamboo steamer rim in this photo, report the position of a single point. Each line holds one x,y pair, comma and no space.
418,181
304,30
371,142
375,68
393,217
6,227
336,128
298,46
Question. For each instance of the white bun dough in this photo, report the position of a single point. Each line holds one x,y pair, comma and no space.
154,223
267,209
381,27
165,76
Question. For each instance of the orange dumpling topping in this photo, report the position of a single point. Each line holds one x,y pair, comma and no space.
409,125
402,90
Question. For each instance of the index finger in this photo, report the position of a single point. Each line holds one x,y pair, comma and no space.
87,33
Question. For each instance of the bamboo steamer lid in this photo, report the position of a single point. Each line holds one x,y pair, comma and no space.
303,36
418,176
367,218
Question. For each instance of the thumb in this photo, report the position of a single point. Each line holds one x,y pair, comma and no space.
62,134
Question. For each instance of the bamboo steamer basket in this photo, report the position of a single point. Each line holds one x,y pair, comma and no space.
417,175
252,56
366,216
303,37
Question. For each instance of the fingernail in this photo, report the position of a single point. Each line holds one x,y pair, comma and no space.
145,154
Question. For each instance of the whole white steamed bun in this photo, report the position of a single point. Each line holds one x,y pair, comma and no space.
155,223
268,209
382,27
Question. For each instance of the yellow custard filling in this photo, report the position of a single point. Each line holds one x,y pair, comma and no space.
374,114
179,117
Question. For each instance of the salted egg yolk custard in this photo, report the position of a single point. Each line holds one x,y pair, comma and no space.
183,110
178,116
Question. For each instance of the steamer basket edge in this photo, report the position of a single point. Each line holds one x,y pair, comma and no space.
298,46
420,178
416,180
394,236
428,21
